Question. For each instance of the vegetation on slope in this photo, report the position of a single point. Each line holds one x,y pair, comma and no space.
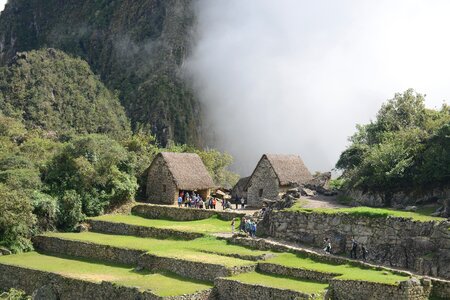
139,59
52,91
406,146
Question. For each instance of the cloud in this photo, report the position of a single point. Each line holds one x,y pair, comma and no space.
2,4
296,76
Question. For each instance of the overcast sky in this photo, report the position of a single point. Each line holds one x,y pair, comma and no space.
296,76
2,4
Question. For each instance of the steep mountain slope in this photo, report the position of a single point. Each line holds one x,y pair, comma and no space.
50,90
136,46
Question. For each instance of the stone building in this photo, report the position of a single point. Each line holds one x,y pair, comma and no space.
275,174
171,173
239,190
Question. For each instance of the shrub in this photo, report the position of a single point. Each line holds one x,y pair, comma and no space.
16,220
45,207
70,210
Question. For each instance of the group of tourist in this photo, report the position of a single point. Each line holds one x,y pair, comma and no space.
353,249
248,226
196,201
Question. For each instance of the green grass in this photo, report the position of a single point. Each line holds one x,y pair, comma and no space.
162,284
282,282
190,250
211,225
347,271
370,212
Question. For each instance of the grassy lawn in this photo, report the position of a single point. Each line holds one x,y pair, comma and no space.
348,271
162,284
282,282
211,225
190,250
371,212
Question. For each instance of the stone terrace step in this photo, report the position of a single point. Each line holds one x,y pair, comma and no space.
153,211
258,286
70,278
196,265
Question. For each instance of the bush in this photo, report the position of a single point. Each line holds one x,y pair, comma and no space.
16,220
14,294
98,169
45,207
70,210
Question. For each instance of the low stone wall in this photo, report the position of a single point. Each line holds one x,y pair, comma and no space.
412,289
152,211
228,289
295,272
186,268
441,289
47,285
140,231
420,246
87,250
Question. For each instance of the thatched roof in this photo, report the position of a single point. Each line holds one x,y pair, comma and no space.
240,186
188,170
288,168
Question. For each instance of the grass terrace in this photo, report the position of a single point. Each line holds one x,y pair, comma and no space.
194,250
162,284
282,282
348,271
211,225
422,215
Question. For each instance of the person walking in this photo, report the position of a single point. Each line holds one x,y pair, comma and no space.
354,249
233,223
180,201
327,245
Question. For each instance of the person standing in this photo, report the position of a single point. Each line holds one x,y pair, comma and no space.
242,203
354,249
237,202
233,222
327,245
180,201
364,252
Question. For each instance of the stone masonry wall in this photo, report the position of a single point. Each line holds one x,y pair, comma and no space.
228,289
265,179
412,289
140,231
295,272
181,214
158,177
420,246
66,288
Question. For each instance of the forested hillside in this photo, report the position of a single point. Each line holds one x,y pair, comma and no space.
136,46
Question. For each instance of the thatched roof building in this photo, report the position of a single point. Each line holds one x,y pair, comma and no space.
171,173
274,174
239,190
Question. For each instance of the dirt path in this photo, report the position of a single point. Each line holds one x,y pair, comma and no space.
320,201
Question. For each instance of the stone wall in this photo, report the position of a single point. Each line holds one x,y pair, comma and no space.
228,289
181,214
53,286
420,246
265,179
192,269
295,272
140,231
441,289
161,187
412,289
